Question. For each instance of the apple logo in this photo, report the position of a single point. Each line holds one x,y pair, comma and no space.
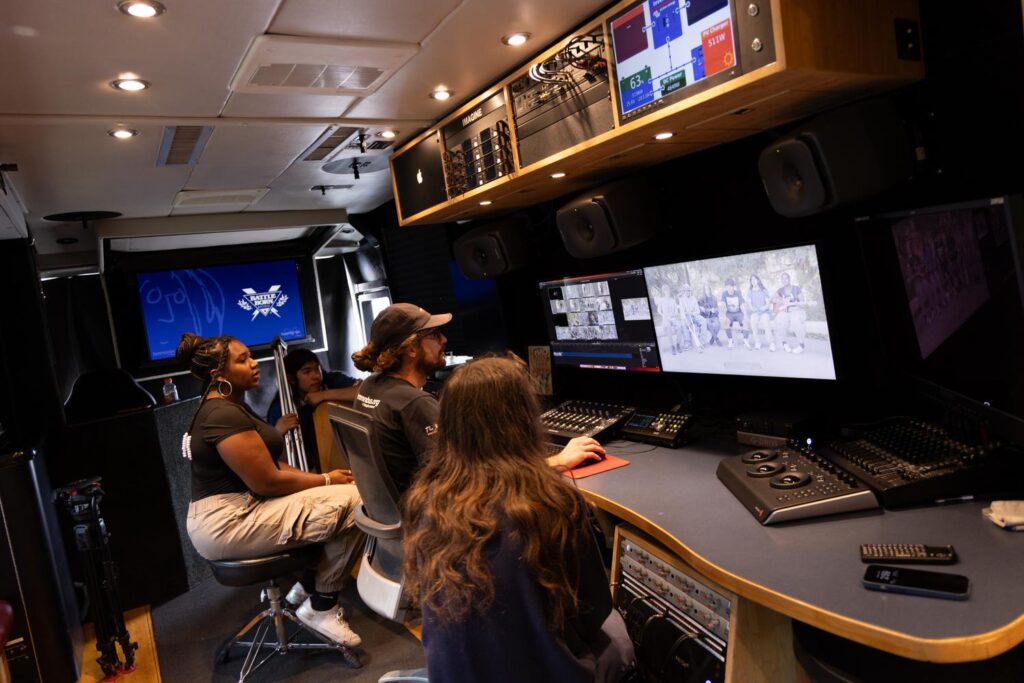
419,176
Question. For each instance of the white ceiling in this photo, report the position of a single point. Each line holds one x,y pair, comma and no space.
56,105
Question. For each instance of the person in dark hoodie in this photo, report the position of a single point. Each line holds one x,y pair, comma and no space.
499,547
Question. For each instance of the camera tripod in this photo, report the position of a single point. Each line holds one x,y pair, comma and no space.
82,499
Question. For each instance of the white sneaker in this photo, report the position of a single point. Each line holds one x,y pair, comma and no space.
297,595
757,346
746,342
330,623
799,349
771,346
731,342
785,347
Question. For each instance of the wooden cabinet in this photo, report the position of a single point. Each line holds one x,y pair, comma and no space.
810,55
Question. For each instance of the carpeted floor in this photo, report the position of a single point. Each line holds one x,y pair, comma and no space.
190,629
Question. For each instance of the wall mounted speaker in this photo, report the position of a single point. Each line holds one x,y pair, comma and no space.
494,248
609,218
837,158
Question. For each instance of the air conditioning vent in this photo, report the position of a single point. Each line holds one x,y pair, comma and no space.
328,142
319,66
233,200
315,76
182,145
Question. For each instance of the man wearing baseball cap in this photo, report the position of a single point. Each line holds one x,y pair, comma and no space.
406,345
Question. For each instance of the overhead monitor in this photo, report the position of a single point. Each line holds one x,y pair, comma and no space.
759,314
666,50
254,302
601,322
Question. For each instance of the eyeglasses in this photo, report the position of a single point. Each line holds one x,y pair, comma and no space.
434,333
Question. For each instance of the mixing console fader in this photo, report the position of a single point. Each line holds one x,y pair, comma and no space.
785,484
571,419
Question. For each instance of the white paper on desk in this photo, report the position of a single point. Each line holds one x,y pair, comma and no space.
1008,514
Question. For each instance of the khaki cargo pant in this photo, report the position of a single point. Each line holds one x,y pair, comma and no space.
241,526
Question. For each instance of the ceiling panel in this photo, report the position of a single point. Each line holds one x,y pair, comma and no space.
59,57
397,20
241,104
292,191
250,156
80,168
466,54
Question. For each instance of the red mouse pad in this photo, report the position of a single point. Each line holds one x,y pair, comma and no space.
610,462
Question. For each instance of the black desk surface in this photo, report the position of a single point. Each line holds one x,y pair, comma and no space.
810,570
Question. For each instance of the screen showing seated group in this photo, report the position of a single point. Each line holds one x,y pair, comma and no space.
759,314
254,302
660,47
601,321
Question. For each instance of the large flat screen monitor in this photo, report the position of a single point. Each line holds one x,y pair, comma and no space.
760,314
254,302
601,321
949,288
666,50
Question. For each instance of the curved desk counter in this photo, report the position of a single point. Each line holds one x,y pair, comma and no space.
811,570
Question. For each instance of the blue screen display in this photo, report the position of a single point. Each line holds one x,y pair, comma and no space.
254,302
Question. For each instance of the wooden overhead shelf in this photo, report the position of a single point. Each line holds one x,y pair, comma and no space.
826,52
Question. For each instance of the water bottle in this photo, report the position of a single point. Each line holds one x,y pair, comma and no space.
170,390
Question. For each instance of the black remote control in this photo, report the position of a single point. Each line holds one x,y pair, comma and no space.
907,553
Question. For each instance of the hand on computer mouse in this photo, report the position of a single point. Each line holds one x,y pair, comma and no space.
579,451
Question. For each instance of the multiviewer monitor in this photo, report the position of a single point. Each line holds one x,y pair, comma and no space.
760,314
666,50
254,302
601,321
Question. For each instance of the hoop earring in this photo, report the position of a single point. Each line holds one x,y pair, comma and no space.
220,387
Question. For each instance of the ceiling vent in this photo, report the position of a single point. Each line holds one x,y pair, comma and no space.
328,142
224,200
182,145
319,66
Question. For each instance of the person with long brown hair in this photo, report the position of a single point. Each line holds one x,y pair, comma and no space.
246,503
499,547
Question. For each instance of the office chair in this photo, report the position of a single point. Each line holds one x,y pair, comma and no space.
380,582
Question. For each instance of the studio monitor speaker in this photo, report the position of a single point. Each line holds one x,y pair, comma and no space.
609,218
494,248
837,158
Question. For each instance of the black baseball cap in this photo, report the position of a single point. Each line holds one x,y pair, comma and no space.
398,321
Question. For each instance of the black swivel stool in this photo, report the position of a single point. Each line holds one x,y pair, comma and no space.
277,615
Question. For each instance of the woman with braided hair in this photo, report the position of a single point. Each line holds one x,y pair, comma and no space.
246,503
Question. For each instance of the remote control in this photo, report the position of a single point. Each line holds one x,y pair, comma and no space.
907,553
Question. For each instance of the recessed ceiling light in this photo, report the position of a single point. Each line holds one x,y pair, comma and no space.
441,93
663,136
129,84
122,133
67,240
388,134
515,39
560,174
486,202
143,9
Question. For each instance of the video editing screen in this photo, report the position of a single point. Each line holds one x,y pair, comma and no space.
758,314
601,321
254,302
662,46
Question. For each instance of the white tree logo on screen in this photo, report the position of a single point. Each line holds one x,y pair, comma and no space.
263,303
